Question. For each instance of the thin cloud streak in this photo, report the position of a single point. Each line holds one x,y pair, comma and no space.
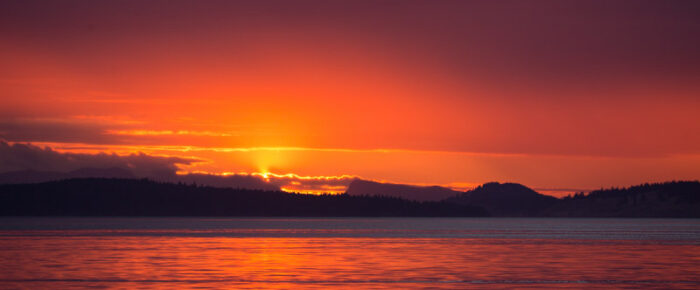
185,148
168,132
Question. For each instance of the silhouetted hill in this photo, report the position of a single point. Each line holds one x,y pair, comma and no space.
505,199
410,192
669,199
140,197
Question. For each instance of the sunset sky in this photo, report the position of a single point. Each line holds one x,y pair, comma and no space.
558,95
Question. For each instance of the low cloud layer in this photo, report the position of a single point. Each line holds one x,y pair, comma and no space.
49,164
17,156
309,184
24,156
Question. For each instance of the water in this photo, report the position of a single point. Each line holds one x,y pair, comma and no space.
292,253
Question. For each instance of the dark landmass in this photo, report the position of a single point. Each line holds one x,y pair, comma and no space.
669,199
361,187
140,197
506,199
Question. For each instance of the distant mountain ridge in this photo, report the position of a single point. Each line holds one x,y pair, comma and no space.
500,199
509,199
359,187
669,199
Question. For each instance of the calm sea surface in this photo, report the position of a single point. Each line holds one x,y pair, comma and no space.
395,253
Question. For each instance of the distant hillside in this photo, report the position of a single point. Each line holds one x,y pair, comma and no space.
360,187
506,199
140,197
670,199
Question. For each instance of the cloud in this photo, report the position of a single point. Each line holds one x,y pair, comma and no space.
18,156
233,181
23,156
55,130
108,130
168,132
308,184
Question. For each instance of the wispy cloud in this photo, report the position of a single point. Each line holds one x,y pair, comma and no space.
106,119
169,132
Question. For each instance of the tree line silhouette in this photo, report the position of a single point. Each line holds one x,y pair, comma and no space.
667,199
142,197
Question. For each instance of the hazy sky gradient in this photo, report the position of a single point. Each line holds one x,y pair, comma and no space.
552,94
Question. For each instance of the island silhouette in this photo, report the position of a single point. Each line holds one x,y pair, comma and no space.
116,192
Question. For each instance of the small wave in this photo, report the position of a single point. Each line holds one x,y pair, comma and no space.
359,281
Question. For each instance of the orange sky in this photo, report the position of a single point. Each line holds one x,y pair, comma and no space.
554,95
